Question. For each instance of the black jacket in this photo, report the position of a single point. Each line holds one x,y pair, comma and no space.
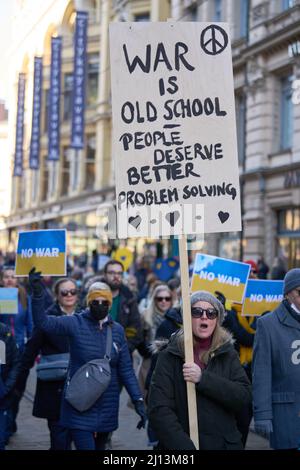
9,370
129,317
48,395
222,391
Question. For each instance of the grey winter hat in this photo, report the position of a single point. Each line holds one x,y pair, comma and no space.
291,280
208,297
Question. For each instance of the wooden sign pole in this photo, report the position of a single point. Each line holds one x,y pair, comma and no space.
188,338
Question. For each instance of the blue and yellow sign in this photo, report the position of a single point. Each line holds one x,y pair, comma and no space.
218,274
43,249
8,300
262,296
124,256
165,269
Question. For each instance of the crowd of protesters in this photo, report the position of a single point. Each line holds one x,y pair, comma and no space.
94,314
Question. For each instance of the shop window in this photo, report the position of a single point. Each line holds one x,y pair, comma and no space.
45,179
46,115
65,172
90,163
92,78
68,87
286,113
240,127
289,221
142,17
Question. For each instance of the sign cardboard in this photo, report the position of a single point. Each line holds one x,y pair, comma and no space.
8,300
174,133
43,249
262,296
219,274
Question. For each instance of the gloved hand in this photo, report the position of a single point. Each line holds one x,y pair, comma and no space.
2,388
263,427
221,297
140,410
35,282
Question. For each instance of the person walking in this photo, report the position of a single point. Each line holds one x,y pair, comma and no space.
124,309
222,386
8,374
55,350
276,369
88,334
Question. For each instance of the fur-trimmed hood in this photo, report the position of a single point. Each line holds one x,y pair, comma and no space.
175,344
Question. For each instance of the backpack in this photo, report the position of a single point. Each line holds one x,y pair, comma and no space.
53,367
90,381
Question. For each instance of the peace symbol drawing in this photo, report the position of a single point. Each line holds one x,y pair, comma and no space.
213,40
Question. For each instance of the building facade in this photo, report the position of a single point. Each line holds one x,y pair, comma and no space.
266,67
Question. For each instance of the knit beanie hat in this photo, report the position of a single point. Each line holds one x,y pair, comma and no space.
99,289
208,297
291,280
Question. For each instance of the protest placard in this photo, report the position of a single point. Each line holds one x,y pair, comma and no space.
174,129
8,300
125,256
262,296
229,277
43,249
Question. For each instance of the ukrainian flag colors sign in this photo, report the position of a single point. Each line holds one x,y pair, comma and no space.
262,296
8,300
43,249
218,274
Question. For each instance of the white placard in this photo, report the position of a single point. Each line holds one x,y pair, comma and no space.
174,129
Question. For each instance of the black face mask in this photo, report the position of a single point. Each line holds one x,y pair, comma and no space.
99,311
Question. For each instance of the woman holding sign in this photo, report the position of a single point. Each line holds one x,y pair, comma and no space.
92,336
222,387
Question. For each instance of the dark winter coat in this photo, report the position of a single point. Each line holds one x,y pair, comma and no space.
129,317
9,370
276,375
48,395
171,323
87,342
222,391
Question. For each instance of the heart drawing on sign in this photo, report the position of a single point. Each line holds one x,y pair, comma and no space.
135,221
172,217
223,216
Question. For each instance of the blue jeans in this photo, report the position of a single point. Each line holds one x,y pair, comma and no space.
3,417
60,437
86,440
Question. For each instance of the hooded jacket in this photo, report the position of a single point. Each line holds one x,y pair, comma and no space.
221,392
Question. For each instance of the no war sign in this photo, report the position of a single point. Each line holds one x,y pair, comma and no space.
262,296
43,249
218,274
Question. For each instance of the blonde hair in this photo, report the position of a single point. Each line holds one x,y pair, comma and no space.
149,312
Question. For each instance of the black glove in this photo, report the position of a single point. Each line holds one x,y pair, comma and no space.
221,297
140,410
35,283
2,387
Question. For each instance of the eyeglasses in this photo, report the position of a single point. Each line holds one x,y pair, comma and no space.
66,292
115,273
198,312
95,303
160,299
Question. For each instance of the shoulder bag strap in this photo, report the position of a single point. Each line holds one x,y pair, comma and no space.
108,342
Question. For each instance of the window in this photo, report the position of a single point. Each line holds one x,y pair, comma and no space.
90,163
289,221
217,11
244,18
68,87
93,77
46,115
286,4
286,113
45,179
65,172
240,127
142,17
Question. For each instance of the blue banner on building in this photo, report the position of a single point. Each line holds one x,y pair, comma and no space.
54,100
79,82
18,164
34,155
